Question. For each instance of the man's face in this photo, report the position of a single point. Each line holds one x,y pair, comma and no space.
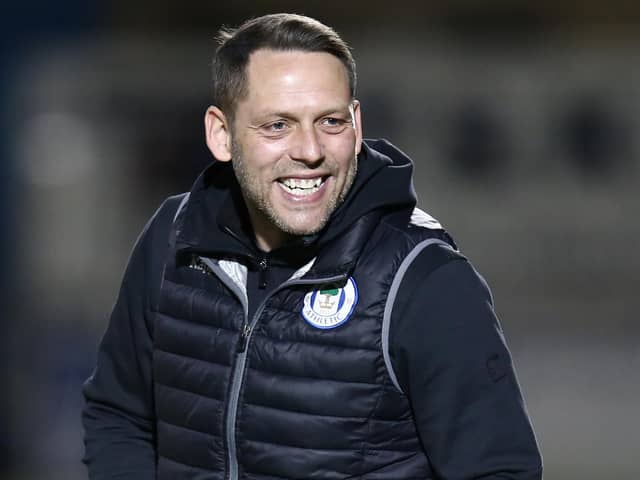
295,138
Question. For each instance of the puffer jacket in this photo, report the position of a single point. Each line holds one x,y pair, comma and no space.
314,384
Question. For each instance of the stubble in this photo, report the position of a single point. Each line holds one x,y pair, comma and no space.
256,195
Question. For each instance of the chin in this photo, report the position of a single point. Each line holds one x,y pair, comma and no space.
295,223
301,231
303,228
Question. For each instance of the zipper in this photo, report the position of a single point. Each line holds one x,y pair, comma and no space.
240,364
244,337
196,263
263,266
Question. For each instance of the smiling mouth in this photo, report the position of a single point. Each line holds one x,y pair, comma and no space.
301,186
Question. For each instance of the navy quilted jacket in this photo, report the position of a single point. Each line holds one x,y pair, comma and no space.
368,351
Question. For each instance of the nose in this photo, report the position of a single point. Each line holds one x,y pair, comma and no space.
307,146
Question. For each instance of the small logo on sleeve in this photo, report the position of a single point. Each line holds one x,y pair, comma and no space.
331,307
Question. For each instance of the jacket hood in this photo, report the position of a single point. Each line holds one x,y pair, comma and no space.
383,182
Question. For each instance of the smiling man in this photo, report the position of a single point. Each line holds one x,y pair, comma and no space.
292,140
295,316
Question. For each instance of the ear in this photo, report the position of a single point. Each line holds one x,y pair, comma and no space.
218,134
357,124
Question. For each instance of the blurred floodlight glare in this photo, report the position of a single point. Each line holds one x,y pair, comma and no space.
56,149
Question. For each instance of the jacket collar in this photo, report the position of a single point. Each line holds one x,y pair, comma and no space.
215,222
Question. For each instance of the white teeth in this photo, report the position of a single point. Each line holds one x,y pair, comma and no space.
302,182
301,186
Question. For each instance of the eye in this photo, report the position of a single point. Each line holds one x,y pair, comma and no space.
277,126
334,124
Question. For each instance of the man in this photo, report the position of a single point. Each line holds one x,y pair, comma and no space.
294,316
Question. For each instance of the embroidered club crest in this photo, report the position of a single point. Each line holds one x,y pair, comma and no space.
330,307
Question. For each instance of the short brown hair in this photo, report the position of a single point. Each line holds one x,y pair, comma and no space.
280,31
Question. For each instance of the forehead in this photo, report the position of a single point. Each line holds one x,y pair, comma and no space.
280,75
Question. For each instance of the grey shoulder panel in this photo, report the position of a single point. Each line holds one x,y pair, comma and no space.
391,298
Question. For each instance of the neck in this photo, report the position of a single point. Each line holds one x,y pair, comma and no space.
267,236
266,241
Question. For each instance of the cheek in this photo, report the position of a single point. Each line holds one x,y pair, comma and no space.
342,145
263,154
344,155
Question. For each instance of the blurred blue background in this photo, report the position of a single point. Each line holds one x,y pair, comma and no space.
524,122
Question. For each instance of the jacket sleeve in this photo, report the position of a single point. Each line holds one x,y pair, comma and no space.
118,416
450,357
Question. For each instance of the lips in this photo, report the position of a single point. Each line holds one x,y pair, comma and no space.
301,186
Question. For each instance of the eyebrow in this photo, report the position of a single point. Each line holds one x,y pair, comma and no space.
342,110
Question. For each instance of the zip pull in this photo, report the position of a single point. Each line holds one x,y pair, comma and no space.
244,336
263,265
